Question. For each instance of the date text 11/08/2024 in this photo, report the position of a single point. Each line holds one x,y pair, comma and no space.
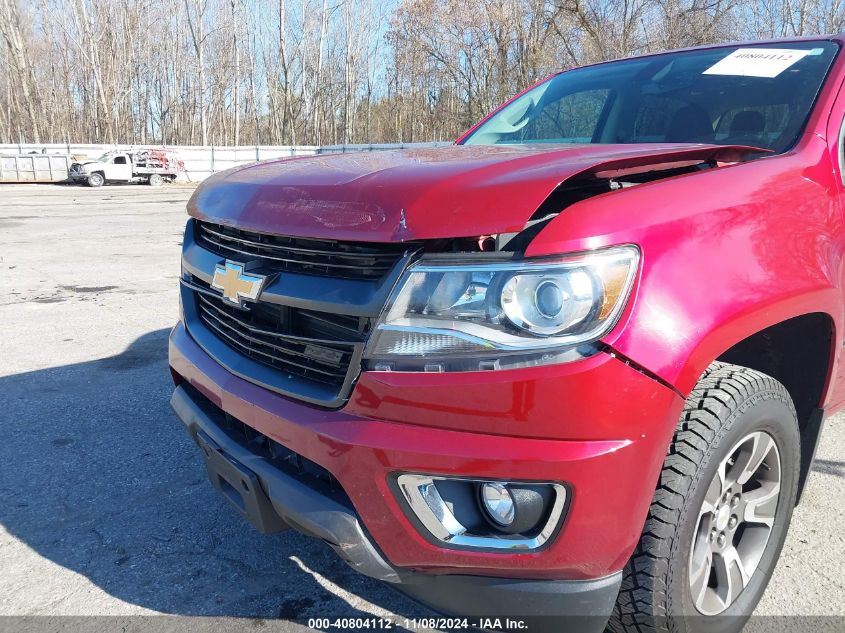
424,624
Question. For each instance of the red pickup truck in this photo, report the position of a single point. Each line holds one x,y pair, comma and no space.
575,365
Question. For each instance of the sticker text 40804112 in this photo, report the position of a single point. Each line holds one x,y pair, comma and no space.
757,62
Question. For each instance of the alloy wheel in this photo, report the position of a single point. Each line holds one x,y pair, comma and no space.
735,522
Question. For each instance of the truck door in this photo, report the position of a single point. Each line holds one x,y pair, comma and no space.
120,168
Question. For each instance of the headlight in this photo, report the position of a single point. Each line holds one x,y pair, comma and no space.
462,317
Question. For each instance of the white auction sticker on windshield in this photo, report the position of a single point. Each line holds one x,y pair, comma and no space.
757,62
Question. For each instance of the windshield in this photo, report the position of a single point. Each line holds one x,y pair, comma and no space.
758,95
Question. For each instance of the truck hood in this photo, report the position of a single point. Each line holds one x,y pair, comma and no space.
385,196
87,164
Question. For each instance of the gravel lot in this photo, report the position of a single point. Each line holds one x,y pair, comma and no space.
104,504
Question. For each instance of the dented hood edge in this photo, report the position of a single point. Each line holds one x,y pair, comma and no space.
410,199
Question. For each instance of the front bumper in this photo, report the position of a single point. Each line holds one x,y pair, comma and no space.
609,426
272,501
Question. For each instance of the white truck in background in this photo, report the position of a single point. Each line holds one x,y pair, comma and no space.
153,167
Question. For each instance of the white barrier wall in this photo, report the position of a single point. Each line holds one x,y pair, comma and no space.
201,162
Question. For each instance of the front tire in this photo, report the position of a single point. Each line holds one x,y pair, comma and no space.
721,510
96,180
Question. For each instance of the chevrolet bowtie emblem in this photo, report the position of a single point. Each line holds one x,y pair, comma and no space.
236,284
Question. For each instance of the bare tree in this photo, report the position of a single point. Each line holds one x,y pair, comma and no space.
195,11
21,90
327,71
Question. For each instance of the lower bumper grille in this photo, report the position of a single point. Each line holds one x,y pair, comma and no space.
289,462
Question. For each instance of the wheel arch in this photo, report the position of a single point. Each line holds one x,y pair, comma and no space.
797,352
800,353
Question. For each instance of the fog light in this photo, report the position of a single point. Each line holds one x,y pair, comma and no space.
467,513
498,503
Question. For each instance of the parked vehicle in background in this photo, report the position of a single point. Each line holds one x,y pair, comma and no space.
153,167
575,365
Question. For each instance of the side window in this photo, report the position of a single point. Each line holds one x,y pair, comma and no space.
570,119
120,160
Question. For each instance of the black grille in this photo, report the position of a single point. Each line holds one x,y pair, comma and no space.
316,346
291,463
326,258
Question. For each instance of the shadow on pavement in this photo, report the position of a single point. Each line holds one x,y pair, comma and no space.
98,475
